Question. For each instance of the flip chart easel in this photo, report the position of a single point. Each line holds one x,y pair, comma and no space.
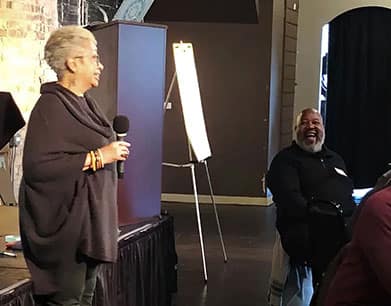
197,139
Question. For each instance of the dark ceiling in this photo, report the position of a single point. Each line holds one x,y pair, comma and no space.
204,11
226,11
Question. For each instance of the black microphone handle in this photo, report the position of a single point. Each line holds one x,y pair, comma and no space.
120,163
120,169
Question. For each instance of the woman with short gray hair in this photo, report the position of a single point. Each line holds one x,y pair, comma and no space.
68,211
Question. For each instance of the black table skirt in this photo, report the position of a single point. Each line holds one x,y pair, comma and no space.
145,274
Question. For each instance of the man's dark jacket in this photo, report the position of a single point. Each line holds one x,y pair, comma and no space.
297,177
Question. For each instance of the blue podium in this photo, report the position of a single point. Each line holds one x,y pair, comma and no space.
133,84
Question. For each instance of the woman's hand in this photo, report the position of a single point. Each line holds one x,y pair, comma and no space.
117,150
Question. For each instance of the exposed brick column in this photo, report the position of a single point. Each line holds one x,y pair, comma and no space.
289,70
24,28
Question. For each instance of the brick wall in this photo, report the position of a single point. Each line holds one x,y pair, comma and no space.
289,71
24,27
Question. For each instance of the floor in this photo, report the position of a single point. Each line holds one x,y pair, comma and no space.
248,233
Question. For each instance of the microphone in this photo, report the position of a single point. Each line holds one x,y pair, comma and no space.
121,127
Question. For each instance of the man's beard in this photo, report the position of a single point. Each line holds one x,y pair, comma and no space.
313,147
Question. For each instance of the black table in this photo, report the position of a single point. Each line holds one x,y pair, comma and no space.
145,274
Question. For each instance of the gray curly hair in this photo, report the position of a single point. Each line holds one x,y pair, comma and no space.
63,43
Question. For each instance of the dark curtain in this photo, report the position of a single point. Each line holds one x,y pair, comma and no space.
145,274
358,123
18,295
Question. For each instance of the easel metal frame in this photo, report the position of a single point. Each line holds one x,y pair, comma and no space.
192,165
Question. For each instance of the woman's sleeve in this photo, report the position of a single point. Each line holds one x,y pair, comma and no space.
374,236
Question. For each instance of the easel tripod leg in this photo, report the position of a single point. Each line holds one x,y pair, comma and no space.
215,210
199,221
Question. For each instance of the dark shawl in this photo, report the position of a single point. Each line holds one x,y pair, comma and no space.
65,212
11,120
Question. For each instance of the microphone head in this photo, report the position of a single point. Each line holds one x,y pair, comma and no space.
121,124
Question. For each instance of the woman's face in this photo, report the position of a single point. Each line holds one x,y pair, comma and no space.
89,67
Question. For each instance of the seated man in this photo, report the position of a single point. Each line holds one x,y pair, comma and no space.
302,173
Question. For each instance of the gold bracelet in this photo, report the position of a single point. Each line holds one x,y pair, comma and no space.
93,160
98,160
101,157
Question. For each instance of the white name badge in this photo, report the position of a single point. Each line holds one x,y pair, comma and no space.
340,171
